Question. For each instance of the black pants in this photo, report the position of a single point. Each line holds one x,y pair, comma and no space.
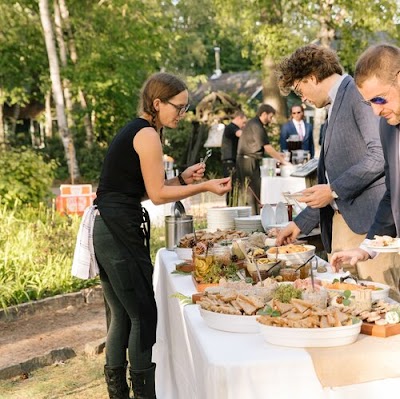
124,329
249,169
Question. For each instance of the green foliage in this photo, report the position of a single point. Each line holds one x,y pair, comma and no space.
36,249
26,176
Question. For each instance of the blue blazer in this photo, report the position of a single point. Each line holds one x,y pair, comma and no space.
289,129
387,218
352,156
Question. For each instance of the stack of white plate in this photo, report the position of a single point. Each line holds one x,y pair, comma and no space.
222,218
249,223
243,211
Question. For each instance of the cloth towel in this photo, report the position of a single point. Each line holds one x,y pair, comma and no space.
84,264
368,359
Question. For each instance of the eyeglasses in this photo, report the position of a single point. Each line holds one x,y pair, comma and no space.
381,100
296,89
182,109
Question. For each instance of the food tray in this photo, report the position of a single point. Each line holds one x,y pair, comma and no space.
294,257
230,323
375,295
310,337
380,331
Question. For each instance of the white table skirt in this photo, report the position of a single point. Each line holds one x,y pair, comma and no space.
273,186
196,362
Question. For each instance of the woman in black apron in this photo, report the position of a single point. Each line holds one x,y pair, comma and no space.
133,170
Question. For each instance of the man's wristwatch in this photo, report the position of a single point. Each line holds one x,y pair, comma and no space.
334,195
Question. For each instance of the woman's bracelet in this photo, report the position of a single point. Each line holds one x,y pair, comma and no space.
180,178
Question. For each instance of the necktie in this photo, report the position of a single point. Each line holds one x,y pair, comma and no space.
301,131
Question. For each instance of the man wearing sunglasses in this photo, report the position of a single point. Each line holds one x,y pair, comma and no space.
297,126
377,76
350,170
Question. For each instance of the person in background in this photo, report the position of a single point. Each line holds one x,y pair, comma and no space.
133,170
252,145
229,145
297,126
377,76
350,170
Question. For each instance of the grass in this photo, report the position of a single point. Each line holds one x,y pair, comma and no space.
77,378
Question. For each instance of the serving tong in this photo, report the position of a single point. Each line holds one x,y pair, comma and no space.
208,155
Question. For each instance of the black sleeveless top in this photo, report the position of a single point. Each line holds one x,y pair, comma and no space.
121,171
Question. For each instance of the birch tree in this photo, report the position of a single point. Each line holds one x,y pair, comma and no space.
57,90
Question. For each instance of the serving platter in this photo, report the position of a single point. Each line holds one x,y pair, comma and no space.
294,257
230,323
310,337
390,248
382,293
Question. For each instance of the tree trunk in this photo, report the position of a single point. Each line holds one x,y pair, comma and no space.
2,130
65,134
74,58
271,93
63,57
48,129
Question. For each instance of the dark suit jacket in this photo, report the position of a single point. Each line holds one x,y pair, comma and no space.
387,219
353,158
289,129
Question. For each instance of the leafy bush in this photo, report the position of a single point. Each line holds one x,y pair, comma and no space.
36,251
26,176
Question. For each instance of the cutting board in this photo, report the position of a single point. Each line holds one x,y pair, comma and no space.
380,331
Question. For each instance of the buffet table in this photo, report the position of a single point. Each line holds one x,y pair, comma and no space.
273,186
197,362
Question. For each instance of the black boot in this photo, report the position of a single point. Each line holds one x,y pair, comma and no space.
143,383
116,382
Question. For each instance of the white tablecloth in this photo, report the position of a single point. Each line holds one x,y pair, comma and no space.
273,186
196,362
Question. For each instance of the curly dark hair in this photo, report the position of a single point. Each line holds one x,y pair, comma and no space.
310,60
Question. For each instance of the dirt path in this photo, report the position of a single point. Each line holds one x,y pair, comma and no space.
31,336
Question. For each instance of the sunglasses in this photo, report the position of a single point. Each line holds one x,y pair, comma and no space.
295,113
181,109
381,100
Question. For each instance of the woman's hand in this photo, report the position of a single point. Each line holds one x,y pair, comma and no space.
194,173
219,186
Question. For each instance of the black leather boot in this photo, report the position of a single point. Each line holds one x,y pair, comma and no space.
143,383
116,382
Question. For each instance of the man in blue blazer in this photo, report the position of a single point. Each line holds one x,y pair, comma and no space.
297,126
377,76
350,170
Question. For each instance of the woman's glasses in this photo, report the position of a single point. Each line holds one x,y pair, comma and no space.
381,100
182,109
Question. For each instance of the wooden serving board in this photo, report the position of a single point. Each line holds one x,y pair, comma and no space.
380,331
200,287
197,297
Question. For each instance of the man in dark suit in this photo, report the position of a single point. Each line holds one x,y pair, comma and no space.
297,126
230,139
377,76
350,170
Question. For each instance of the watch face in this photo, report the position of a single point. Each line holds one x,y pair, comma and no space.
334,195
